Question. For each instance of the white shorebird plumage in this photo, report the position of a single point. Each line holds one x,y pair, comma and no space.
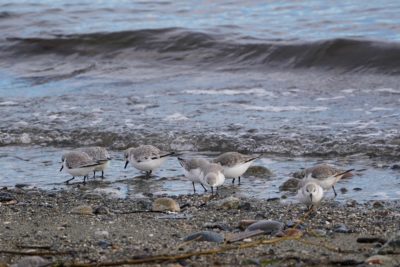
192,169
99,154
78,163
325,182
310,194
235,164
145,158
213,175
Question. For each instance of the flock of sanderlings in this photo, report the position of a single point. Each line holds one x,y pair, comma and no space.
212,174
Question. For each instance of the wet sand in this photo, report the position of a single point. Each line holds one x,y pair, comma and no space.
115,231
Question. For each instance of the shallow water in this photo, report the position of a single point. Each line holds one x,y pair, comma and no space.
36,166
303,82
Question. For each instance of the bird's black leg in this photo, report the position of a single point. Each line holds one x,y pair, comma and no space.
233,181
239,180
334,191
84,179
148,174
67,181
212,191
194,188
205,189
94,174
102,174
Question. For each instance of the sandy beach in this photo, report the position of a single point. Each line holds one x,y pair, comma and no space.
78,227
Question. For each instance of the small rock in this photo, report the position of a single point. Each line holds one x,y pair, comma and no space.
377,205
101,234
392,246
165,204
290,185
341,228
220,226
144,204
268,226
351,203
245,206
380,260
343,190
32,261
293,232
101,210
5,197
205,236
258,171
371,240
243,224
20,186
82,210
319,232
396,167
357,189
104,244
227,203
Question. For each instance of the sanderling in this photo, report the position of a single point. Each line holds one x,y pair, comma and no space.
325,182
213,175
193,170
145,158
78,163
99,154
234,164
310,194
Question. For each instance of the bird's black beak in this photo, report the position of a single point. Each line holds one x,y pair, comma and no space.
126,164
311,197
62,167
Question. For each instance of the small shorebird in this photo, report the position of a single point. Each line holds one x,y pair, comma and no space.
192,169
145,158
310,194
325,182
234,164
99,154
213,175
78,163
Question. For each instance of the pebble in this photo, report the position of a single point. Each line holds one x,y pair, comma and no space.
381,260
104,244
101,210
377,205
341,228
227,203
4,197
220,226
165,204
208,236
32,261
319,232
101,234
82,210
371,240
268,226
290,185
357,189
258,171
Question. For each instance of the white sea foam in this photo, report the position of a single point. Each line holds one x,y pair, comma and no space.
381,109
284,108
8,103
329,98
348,91
388,90
253,91
176,117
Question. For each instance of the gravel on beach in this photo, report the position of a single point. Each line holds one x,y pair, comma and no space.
75,225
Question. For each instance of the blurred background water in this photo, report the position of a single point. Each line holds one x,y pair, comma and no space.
303,82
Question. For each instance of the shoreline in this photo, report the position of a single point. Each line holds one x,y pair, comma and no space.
79,226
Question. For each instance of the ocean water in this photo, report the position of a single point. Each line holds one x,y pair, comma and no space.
303,82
